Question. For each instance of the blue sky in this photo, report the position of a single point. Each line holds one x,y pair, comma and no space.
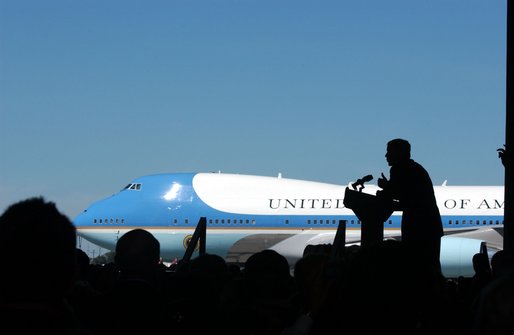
96,93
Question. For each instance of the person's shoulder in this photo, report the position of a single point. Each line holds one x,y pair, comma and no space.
404,165
417,165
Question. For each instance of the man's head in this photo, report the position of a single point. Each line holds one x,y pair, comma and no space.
37,251
137,252
398,151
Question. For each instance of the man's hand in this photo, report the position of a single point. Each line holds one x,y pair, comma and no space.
504,156
382,181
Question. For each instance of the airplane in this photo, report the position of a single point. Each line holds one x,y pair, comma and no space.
248,213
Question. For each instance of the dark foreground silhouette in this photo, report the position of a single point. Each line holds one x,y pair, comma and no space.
47,285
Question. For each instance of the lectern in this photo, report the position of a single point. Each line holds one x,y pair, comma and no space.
372,211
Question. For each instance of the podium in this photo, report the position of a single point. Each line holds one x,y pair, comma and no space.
372,211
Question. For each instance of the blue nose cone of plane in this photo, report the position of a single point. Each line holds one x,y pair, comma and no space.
82,220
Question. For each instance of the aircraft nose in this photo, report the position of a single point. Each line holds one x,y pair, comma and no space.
82,219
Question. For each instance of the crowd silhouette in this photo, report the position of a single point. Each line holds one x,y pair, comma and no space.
48,285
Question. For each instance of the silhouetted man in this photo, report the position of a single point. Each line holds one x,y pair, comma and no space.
135,302
411,186
37,256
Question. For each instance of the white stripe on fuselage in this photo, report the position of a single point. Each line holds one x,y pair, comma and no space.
470,200
259,195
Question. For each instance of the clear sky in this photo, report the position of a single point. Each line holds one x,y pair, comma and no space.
96,93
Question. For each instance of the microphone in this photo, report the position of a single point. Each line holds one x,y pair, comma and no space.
360,182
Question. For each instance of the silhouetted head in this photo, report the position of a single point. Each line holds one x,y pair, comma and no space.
208,274
502,262
82,264
398,151
137,251
37,251
481,264
209,264
267,262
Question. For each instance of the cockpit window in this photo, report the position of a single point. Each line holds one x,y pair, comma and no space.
133,186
